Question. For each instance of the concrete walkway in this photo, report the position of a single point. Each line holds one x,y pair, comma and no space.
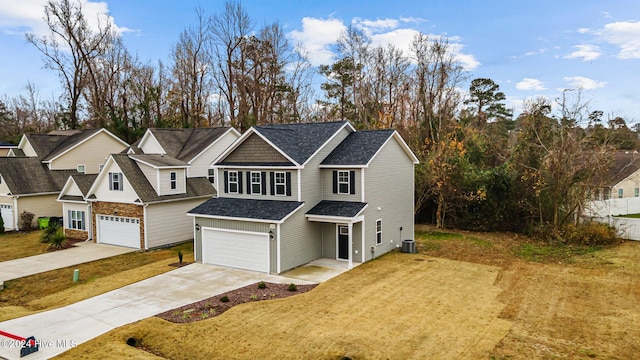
58,330
83,252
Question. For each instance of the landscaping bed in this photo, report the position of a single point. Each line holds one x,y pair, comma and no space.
217,305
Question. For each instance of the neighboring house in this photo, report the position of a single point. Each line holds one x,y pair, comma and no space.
292,193
5,148
76,209
623,178
34,173
140,199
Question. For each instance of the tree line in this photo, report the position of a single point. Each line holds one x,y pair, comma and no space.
479,166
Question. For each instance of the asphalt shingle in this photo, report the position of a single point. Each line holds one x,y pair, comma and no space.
347,209
246,208
358,148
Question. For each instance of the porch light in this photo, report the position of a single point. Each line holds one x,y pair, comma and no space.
197,227
271,234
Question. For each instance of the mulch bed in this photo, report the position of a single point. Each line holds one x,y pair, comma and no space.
69,243
213,306
180,264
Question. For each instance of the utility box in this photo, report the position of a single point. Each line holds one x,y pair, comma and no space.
408,246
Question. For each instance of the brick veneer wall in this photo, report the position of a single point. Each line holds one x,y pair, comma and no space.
118,209
76,234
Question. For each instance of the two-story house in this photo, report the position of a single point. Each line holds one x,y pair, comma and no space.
293,193
141,196
33,174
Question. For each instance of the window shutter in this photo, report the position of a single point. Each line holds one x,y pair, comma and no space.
288,183
248,182
110,181
121,180
239,182
69,224
226,181
335,182
272,182
83,225
263,175
352,182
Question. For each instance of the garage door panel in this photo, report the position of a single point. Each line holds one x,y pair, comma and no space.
236,249
6,211
120,231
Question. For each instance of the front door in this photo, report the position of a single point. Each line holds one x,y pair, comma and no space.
343,242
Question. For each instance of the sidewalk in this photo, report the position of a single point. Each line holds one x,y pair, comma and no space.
60,329
83,252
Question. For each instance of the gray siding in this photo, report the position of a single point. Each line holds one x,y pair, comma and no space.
389,186
168,223
268,196
329,240
300,241
327,186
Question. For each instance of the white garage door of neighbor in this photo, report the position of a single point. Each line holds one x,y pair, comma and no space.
117,230
244,250
6,211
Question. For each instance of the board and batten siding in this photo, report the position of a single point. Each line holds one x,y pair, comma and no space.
91,153
165,182
256,227
200,165
168,223
255,150
389,187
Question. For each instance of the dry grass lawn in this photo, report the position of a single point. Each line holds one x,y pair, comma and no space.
16,245
400,306
56,288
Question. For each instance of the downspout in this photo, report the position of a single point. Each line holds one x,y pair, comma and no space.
15,213
144,215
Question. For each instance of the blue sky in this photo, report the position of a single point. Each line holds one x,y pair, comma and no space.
530,48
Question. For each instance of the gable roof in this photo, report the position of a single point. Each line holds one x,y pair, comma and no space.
622,166
347,209
195,187
184,144
358,148
158,161
55,143
25,176
83,182
299,141
268,210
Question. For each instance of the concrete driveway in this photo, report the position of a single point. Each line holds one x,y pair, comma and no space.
58,330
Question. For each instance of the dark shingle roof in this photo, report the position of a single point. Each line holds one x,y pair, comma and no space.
299,141
185,144
196,187
623,164
159,160
18,152
346,209
29,176
358,148
246,208
44,144
84,182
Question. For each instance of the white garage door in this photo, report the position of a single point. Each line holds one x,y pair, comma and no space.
117,230
6,212
244,250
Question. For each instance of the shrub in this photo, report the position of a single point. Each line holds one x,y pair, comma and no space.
292,287
180,256
225,298
58,240
26,220
49,232
590,234
262,285
254,297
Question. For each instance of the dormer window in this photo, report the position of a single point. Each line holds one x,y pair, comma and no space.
115,181
173,180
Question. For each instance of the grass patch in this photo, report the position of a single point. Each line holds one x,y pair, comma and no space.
16,245
433,235
632,216
540,252
56,288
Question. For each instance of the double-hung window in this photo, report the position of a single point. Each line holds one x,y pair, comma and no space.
81,169
280,183
343,182
211,175
173,180
76,220
378,231
115,181
233,182
256,182
620,193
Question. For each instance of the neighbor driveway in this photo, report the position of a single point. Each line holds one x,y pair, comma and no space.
81,253
58,329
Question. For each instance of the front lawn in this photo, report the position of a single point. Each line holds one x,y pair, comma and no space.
16,245
56,288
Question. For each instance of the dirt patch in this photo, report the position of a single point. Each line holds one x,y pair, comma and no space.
216,305
180,264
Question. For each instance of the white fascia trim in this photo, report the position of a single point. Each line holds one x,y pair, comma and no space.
343,166
101,175
85,140
232,130
23,139
235,218
179,199
133,157
72,201
242,138
335,219
144,139
35,194
403,145
346,124
242,167
67,185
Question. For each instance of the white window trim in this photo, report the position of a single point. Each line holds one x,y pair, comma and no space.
211,175
283,184
620,193
341,172
636,192
100,167
230,182
76,215
173,180
259,182
84,168
379,232
115,181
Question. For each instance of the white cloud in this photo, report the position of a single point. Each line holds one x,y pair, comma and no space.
19,17
374,26
400,38
530,84
585,52
318,36
584,30
626,35
581,82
